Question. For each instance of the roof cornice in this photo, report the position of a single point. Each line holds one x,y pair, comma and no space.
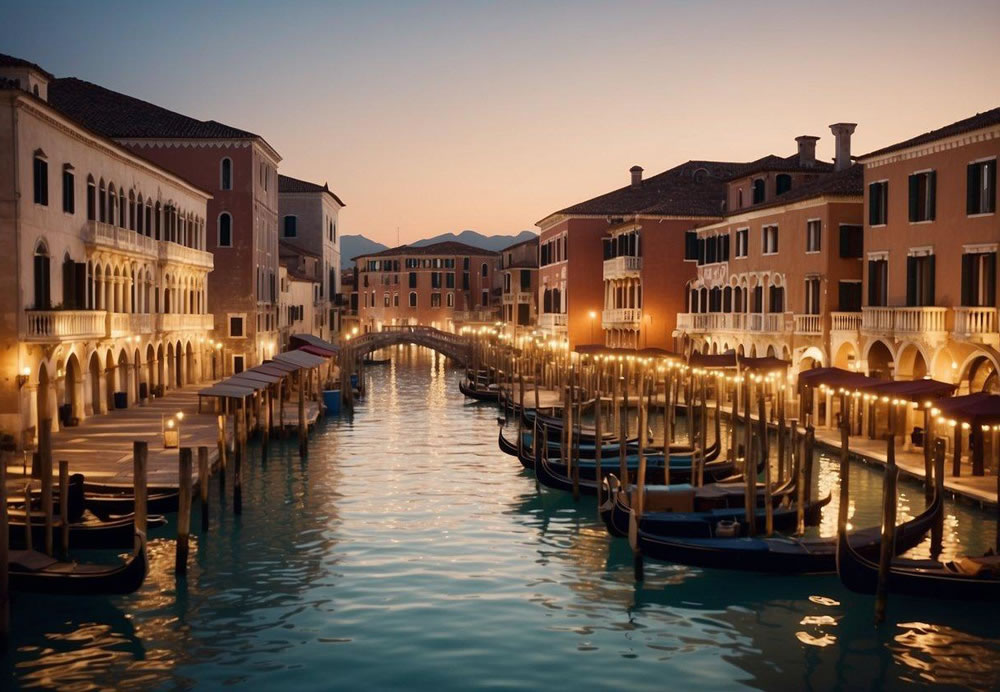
944,144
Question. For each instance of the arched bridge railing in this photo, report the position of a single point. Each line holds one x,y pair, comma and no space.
454,346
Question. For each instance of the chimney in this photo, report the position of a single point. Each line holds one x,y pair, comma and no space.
807,150
636,172
842,132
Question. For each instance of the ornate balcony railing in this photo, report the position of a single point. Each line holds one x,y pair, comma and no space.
845,321
65,325
173,252
809,324
126,324
907,321
976,324
116,238
621,267
619,317
552,320
184,323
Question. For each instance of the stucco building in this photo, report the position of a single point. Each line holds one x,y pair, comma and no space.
931,232
444,285
780,274
239,169
308,219
105,278
518,277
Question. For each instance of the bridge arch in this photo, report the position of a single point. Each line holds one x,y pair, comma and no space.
454,346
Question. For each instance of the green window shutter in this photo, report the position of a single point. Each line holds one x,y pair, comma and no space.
931,195
911,281
914,196
873,204
972,185
991,192
967,269
928,298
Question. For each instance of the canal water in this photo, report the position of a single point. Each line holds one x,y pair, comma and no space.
408,552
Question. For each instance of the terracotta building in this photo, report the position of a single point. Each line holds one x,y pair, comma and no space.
239,169
105,274
780,275
612,269
308,220
445,285
518,276
931,234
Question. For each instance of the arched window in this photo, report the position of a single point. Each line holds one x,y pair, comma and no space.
547,301
131,209
41,172
226,174
225,230
43,283
112,204
149,218
782,183
122,208
486,269
758,191
91,199
413,299
103,203
157,216
138,214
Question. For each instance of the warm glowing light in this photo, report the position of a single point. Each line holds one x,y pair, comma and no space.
26,371
170,423
180,415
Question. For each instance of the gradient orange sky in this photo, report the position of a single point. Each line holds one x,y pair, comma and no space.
445,116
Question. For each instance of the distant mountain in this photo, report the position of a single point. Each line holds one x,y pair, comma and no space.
353,245
486,242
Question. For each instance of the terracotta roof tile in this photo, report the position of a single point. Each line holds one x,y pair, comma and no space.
11,61
290,185
449,247
977,121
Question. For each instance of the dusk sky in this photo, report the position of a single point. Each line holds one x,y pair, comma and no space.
439,117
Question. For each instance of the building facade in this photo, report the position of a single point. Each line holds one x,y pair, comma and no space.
518,277
239,169
780,275
444,285
299,311
105,298
931,233
309,217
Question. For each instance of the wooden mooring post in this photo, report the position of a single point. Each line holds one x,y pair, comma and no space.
238,451
64,508
203,476
303,439
45,473
4,555
140,460
183,511
888,535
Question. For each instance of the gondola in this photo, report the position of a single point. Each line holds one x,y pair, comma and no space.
35,572
107,500
490,395
785,555
90,533
376,361
956,579
556,476
586,449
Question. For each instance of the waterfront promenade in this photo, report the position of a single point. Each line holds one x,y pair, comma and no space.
101,446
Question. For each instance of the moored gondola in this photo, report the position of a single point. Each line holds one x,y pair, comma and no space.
784,554
489,394
89,533
376,361
31,571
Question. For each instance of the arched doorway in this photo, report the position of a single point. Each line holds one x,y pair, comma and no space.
178,365
95,384
846,356
74,387
880,361
109,380
911,364
168,381
43,393
136,376
189,363
150,372
983,376
122,379
770,351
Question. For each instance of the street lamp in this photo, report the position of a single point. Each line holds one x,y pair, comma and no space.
593,316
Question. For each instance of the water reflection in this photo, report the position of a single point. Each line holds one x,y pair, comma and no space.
407,550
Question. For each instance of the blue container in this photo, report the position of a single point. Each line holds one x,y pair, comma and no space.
331,400
354,380
121,399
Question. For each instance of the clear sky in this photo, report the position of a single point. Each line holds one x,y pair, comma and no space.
436,117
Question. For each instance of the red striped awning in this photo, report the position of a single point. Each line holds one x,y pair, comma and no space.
317,351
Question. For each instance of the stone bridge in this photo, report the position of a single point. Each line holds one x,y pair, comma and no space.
454,346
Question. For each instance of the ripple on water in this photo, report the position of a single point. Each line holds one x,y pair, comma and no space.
408,551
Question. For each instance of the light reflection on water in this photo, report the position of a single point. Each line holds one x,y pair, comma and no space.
408,551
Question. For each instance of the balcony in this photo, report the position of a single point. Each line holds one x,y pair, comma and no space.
623,267
711,321
845,321
809,325
474,316
927,322
184,323
976,325
516,298
622,317
126,324
65,325
552,321
172,252
105,235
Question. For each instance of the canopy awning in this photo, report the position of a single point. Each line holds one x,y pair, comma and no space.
911,390
835,378
257,375
764,364
281,366
300,359
317,351
269,368
713,361
299,340
242,380
975,409
601,350
225,390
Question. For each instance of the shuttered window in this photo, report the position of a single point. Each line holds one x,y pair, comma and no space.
979,279
878,203
922,196
851,241
41,175
878,281
920,281
981,187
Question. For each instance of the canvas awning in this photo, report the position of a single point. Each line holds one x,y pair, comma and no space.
317,351
835,378
242,380
911,390
975,409
713,361
257,375
601,350
225,390
764,364
299,340
300,359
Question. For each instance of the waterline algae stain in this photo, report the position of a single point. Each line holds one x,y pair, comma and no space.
407,551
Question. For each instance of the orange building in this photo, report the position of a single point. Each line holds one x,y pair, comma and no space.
519,284
780,275
931,234
444,285
612,269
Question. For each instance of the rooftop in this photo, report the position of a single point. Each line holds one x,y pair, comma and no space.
11,61
846,183
449,247
291,185
976,122
787,164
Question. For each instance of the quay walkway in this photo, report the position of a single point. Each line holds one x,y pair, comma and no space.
101,446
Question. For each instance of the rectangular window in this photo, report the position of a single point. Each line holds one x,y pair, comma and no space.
395,300
290,228
878,282
812,295
525,281
385,300
238,364
690,245
236,326
919,280
451,300
413,279
485,299
41,181
814,230
852,240
981,189
849,295
769,240
435,279
742,244
979,279
413,299
435,300
449,280
922,194
878,203
69,198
